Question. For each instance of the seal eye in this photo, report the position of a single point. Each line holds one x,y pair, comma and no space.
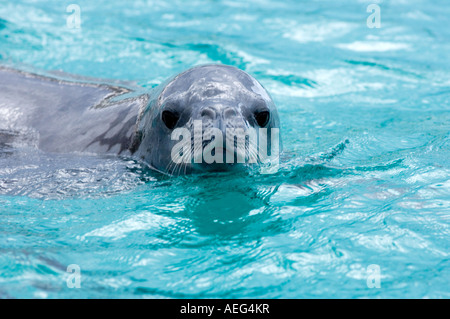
170,119
262,118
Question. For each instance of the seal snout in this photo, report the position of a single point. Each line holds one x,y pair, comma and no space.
219,125
221,117
218,112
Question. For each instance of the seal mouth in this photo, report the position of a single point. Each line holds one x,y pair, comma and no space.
218,167
227,161
224,151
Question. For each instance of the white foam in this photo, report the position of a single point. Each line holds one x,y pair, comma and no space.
142,221
373,46
329,82
318,32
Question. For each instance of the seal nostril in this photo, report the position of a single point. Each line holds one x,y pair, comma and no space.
230,112
208,113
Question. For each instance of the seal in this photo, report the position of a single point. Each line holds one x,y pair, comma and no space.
66,115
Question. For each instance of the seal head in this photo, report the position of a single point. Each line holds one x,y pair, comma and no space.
206,118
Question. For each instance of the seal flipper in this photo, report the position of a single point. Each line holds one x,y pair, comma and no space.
69,116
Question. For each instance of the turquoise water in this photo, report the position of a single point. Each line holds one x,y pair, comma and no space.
365,178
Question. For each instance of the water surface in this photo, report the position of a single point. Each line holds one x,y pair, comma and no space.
365,178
